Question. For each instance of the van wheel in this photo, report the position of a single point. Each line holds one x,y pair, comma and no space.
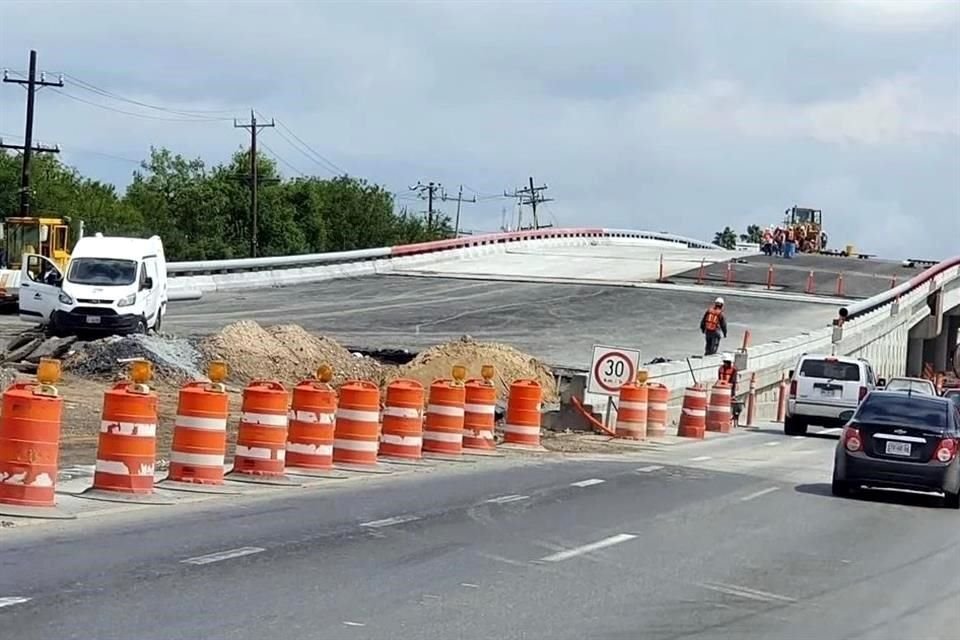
793,426
141,326
158,323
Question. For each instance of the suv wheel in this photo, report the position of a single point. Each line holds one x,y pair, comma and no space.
840,488
951,500
793,426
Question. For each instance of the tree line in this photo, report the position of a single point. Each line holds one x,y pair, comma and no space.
203,213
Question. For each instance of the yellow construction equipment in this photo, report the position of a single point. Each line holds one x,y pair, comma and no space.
49,237
807,227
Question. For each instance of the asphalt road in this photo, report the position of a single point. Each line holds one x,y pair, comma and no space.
730,538
862,278
555,322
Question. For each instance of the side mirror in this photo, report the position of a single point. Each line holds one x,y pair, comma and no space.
846,416
881,382
790,374
147,284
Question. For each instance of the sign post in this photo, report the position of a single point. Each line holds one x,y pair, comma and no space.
611,368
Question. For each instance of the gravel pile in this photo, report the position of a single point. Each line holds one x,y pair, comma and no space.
174,359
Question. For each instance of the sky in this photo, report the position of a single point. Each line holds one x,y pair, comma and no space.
681,116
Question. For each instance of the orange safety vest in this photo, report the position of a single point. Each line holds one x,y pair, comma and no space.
725,374
712,323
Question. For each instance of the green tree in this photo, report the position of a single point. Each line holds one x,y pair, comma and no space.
726,238
754,234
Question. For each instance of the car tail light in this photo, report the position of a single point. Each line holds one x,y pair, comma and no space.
863,394
851,439
793,388
946,450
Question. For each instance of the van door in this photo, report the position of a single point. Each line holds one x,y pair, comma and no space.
828,380
151,293
39,288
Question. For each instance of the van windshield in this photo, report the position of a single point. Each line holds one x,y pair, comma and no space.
102,272
830,370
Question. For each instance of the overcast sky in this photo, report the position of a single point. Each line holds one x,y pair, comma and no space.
676,116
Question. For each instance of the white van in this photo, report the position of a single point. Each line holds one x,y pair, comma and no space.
826,390
111,285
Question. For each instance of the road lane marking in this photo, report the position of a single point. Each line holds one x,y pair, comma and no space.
507,499
799,437
350,623
587,548
762,492
744,592
772,444
10,601
587,483
650,468
223,555
387,522
701,458
469,585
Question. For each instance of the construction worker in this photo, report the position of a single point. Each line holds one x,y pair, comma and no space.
713,325
728,373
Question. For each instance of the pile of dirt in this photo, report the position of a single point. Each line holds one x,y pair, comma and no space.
174,360
287,353
510,364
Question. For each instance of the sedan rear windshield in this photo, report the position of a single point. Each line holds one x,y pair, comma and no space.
102,271
922,412
830,370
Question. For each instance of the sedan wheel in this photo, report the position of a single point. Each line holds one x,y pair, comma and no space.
951,500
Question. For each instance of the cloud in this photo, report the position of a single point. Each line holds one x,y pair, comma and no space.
889,15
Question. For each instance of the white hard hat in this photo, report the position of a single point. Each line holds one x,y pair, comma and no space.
718,301
727,357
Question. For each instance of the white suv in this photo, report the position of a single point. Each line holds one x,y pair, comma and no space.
825,390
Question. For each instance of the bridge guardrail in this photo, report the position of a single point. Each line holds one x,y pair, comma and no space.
339,257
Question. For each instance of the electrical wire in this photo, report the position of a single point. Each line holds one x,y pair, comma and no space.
305,154
133,113
87,86
280,158
336,169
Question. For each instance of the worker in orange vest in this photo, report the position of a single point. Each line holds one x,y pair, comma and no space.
728,373
713,325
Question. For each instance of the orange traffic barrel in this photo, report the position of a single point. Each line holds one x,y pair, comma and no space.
693,414
402,435
658,397
357,432
719,414
262,436
128,440
30,420
479,415
443,423
522,425
632,412
310,437
200,434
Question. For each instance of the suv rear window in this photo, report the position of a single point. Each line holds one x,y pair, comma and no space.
830,370
920,411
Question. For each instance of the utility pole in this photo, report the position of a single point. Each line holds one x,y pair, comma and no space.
430,189
531,196
460,199
32,84
254,127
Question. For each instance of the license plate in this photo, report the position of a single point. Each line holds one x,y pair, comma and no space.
898,448
93,319
829,393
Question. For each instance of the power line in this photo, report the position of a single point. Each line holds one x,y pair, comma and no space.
531,196
306,155
138,115
460,199
109,94
32,85
282,160
254,127
338,169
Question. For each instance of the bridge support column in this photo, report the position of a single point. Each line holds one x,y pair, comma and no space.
940,350
915,357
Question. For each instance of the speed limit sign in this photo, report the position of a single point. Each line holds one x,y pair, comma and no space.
612,368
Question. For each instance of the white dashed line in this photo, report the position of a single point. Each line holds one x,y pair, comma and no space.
701,458
223,555
353,624
507,499
587,548
799,437
469,585
762,492
387,522
10,601
744,592
587,483
772,444
651,468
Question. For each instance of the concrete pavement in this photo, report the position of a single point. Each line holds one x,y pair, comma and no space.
733,537
555,322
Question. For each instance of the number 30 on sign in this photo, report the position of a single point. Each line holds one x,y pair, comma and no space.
612,368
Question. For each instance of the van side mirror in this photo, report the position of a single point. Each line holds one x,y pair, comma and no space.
790,373
881,382
147,283
846,416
